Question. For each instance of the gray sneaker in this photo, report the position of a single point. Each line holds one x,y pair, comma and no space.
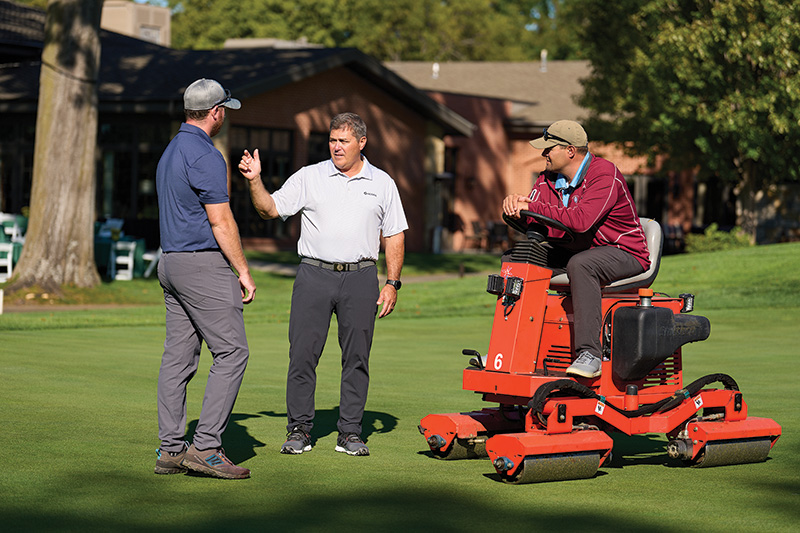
170,462
585,365
351,444
297,441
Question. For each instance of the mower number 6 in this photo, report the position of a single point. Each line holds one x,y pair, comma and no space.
498,361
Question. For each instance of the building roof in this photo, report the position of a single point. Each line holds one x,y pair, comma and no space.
540,92
137,76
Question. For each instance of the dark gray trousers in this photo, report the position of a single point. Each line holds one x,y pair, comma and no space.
588,272
317,294
204,303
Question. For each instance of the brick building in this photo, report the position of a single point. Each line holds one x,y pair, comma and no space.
288,98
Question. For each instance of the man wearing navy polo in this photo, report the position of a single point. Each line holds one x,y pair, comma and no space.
202,295
346,204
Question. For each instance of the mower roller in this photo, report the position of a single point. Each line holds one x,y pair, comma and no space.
543,425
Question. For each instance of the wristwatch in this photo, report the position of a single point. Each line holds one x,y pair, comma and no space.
396,283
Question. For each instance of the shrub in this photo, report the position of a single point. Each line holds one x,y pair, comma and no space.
713,240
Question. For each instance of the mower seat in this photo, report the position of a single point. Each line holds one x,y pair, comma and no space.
655,242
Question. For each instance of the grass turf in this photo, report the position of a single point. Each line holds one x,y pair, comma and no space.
79,424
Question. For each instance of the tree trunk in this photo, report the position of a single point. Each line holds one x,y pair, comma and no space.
59,244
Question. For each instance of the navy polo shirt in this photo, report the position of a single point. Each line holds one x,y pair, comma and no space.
190,174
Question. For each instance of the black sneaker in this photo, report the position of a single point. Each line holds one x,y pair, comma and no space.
297,441
351,444
170,462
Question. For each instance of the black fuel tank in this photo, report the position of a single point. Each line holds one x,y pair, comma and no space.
643,337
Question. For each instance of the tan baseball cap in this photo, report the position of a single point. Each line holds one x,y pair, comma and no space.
562,132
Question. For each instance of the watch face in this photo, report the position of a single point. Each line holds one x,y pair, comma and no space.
395,283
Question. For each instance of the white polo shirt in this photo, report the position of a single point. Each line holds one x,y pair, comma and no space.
342,218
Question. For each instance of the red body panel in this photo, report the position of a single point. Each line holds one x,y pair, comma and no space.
531,342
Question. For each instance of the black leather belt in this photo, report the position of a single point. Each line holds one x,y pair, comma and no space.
194,251
338,267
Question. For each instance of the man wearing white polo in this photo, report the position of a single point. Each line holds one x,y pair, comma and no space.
346,204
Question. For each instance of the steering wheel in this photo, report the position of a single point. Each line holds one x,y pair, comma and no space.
537,230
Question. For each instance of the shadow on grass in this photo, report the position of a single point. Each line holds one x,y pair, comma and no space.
640,450
122,500
325,422
238,443
494,476
392,509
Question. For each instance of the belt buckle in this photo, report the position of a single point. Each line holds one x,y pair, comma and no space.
338,267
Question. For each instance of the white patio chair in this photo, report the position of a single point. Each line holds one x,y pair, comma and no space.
6,261
123,262
152,258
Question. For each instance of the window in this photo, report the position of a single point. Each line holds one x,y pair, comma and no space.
16,165
130,148
318,149
275,150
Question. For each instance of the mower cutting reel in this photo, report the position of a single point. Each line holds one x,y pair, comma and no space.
547,426
536,456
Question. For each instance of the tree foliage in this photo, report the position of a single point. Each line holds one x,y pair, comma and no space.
426,30
714,240
711,83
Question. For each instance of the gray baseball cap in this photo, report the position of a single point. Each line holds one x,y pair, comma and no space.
205,94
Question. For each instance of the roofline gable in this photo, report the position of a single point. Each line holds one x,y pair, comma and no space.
139,76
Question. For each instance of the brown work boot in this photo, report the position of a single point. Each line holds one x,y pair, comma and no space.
170,462
214,463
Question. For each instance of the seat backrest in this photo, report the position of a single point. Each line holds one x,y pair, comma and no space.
655,243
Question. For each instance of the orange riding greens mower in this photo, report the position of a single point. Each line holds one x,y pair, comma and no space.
546,426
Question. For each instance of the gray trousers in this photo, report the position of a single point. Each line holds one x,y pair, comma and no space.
204,303
588,272
317,294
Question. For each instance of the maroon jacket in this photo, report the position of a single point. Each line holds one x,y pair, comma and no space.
601,210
